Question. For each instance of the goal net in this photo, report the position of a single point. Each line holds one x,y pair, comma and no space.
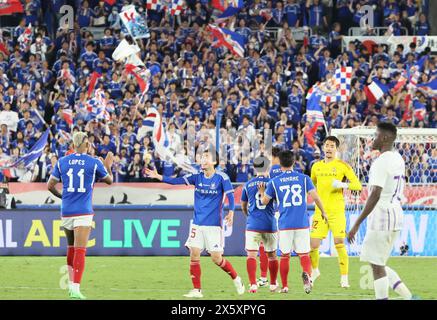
418,147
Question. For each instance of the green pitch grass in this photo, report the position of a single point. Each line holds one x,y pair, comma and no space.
167,278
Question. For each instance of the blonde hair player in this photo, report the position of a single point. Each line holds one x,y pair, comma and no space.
78,172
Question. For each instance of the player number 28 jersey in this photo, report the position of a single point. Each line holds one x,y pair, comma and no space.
78,172
290,191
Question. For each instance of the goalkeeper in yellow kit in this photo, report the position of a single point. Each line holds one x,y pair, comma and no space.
329,176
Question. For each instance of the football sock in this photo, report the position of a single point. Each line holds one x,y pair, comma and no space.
315,257
78,264
70,257
397,285
305,262
273,269
381,288
263,262
195,273
228,268
251,269
343,259
284,267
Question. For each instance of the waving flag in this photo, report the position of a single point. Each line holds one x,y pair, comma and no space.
375,91
266,14
419,110
8,7
402,81
414,72
156,5
429,88
159,133
97,106
124,50
141,74
26,37
336,89
93,80
229,39
153,122
218,4
314,109
176,7
134,23
35,152
343,78
67,114
233,8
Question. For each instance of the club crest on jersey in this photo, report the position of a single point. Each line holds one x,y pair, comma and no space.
334,170
213,186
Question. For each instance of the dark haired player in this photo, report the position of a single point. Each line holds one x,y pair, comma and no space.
329,176
263,257
383,206
211,186
290,190
261,227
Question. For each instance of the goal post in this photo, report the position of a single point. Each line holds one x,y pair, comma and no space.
418,147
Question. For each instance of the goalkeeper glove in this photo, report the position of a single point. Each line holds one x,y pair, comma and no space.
339,185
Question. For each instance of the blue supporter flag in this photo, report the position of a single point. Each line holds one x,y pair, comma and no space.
429,88
229,39
314,110
35,152
233,9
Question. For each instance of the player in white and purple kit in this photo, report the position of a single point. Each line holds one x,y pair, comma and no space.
211,187
384,208
290,190
261,225
263,258
78,172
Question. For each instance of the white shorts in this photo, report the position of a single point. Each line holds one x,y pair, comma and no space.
209,238
297,240
377,246
253,240
70,223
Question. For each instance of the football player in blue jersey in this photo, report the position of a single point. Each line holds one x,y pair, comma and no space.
261,227
290,190
263,258
78,172
211,187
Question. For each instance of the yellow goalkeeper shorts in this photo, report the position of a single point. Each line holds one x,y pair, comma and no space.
336,223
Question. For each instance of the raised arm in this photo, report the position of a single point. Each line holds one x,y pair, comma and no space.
107,162
174,181
265,198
